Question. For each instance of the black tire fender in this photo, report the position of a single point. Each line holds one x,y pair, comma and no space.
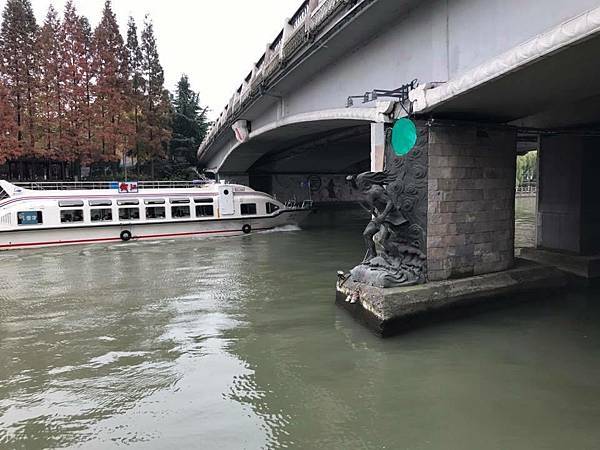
247,229
125,235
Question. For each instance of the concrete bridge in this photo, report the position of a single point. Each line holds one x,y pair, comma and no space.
495,77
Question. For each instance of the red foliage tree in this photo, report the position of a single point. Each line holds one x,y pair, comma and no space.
75,78
70,95
17,66
9,144
112,88
50,100
89,147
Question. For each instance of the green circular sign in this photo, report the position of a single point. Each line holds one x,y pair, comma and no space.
404,136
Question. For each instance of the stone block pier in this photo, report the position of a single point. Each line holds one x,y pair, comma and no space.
388,311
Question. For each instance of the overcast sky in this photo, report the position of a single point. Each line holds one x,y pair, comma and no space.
214,42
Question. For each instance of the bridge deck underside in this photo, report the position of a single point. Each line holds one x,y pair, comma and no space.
316,147
559,91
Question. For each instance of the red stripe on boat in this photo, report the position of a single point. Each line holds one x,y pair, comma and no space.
148,236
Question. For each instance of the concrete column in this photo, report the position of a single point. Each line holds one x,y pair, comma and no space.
268,53
568,203
377,147
471,195
590,198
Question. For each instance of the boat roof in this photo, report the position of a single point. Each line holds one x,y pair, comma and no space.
116,188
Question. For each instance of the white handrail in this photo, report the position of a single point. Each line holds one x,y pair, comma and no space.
93,185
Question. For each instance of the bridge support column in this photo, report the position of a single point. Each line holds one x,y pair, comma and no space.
456,189
470,223
377,146
568,234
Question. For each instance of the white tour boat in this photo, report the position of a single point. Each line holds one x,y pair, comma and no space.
50,214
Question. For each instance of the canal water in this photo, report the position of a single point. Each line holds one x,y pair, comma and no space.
236,344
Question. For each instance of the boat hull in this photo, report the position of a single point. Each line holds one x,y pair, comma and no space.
116,232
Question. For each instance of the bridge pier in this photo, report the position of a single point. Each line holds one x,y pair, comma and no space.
568,212
471,194
469,225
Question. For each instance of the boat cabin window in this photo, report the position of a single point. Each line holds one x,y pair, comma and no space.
205,211
156,212
70,203
128,202
179,201
180,212
100,202
271,208
3,194
203,200
155,201
129,213
248,209
101,215
71,215
29,218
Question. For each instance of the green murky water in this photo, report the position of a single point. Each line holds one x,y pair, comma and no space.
236,344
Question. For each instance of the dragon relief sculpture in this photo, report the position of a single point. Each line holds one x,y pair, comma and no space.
395,238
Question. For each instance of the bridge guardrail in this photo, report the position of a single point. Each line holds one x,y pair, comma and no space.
272,66
323,11
300,16
294,42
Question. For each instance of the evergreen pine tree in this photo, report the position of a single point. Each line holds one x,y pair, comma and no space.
17,64
189,123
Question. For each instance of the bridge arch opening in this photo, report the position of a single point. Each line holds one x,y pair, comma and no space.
283,157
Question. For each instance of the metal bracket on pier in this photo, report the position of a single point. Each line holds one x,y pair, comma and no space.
400,94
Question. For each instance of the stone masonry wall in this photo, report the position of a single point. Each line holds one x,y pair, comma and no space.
471,194
323,188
